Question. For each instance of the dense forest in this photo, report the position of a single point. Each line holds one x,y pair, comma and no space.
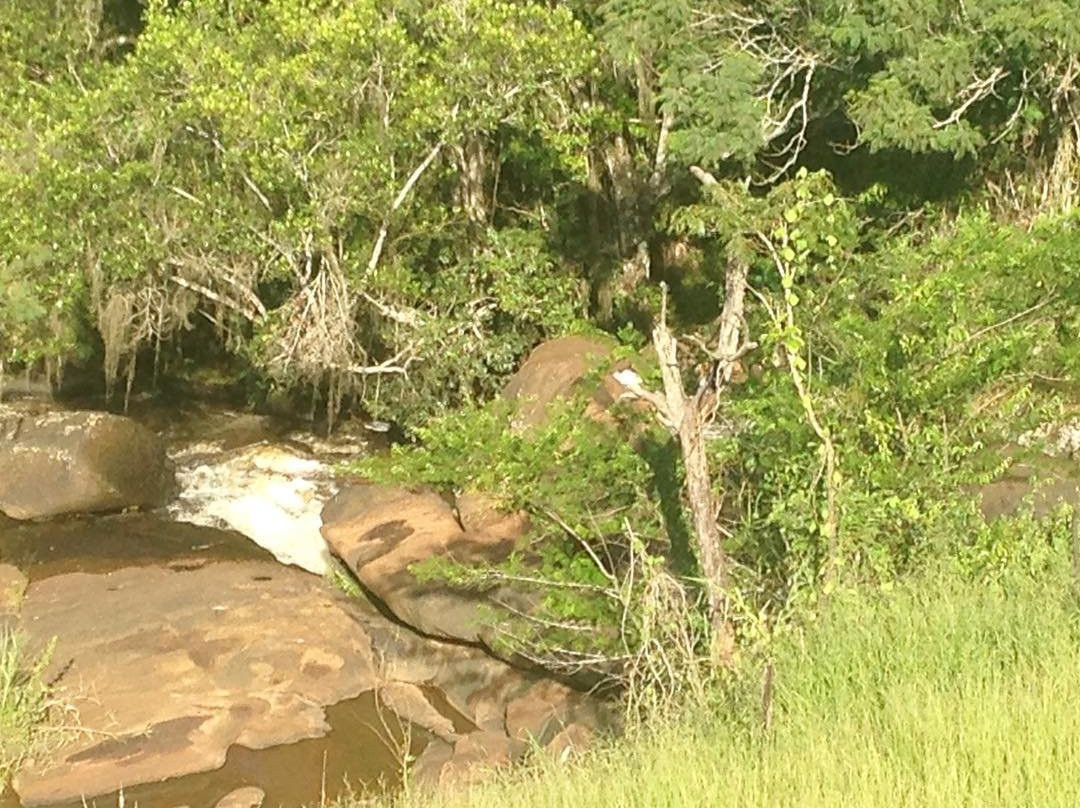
833,245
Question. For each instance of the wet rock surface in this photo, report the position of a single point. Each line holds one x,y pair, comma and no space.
192,677
54,463
104,544
166,669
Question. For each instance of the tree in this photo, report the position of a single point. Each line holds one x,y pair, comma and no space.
307,177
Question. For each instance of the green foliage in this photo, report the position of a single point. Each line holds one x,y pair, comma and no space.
479,450
582,483
299,173
392,202
926,359
25,704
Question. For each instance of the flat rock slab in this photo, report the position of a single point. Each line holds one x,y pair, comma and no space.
167,669
187,682
103,544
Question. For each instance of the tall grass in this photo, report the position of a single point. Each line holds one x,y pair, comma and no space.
24,704
937,694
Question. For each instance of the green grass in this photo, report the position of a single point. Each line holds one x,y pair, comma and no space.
24,704
937,694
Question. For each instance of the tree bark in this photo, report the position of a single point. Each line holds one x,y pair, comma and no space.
474,183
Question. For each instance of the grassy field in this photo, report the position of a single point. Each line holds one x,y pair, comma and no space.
936,694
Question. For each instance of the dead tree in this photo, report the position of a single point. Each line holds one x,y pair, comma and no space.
686,416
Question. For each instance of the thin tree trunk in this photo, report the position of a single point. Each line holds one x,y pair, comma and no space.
474,184
686,417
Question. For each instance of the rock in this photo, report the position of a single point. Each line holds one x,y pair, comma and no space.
480,514
477,753
1046,481
381,533
244,430
1056,440
249,797
408,701
58,463
428,767
555,370
572,741
104,544
469,760
182,677
167,670
542,712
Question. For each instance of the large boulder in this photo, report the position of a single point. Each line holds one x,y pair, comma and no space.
55,463
557,369
384,534
1043,474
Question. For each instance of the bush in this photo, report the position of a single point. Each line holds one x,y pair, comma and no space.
25,704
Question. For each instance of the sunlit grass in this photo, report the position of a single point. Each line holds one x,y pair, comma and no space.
25,704
938,694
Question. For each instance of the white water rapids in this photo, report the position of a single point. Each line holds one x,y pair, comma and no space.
273,492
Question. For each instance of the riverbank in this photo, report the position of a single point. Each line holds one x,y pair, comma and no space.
939,693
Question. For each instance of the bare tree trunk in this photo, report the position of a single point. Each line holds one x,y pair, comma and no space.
686,417
473,188
704,508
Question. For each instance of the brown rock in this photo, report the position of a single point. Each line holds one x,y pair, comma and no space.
408,702
471,759
174,671
168,669
479,751
12,586
244,430
249,797
542,712
382,533
555,370
572,741
57,463
428,767
1049,482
